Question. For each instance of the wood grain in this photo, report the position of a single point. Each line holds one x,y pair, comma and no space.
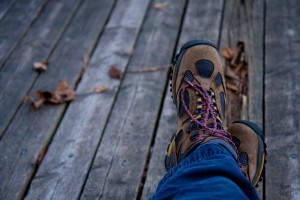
29,134
123,151
16,22
5,6
244,21
201,21
17,74
282,94
78,136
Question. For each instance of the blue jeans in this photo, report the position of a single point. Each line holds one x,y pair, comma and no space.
210,172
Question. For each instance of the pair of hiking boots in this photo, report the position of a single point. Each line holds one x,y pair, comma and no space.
198,91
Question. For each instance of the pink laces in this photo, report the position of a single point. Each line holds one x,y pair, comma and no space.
210,113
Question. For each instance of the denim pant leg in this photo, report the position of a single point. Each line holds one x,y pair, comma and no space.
210,172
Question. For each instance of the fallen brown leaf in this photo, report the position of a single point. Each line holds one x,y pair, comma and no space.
41,66
233,87
228,53
37,104
160,5
236,75
115,72
61,94
239,56
100,89
236,68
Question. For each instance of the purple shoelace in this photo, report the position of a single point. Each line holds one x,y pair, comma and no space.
215,132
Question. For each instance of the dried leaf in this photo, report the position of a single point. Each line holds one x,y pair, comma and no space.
239,56
228,53
41,66
160,5
230,73
100,89
115,72
146,70
60,95
37,104
233,87
236,68
62,86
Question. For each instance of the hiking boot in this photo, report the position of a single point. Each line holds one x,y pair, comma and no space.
249,140
198,90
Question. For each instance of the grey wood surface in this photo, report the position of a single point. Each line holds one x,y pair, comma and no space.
117,170
5,6
244,21
27,138
282,105
16,22
201,21
81,129
106,145
17,74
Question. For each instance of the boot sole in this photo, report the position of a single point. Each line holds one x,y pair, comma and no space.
262,152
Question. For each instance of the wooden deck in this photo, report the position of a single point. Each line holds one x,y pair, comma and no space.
112,145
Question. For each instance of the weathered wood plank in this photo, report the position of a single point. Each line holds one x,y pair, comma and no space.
4,6
15,23
78,136
117,170
282,94
244,21
29,134
167,127
17,74
201,21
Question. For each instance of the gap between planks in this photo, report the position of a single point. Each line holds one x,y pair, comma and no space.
165,91
127,30
39,138
7,49
197,22
130,101
14,100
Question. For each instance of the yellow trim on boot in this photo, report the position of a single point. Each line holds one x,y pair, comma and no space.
169,149
260,170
